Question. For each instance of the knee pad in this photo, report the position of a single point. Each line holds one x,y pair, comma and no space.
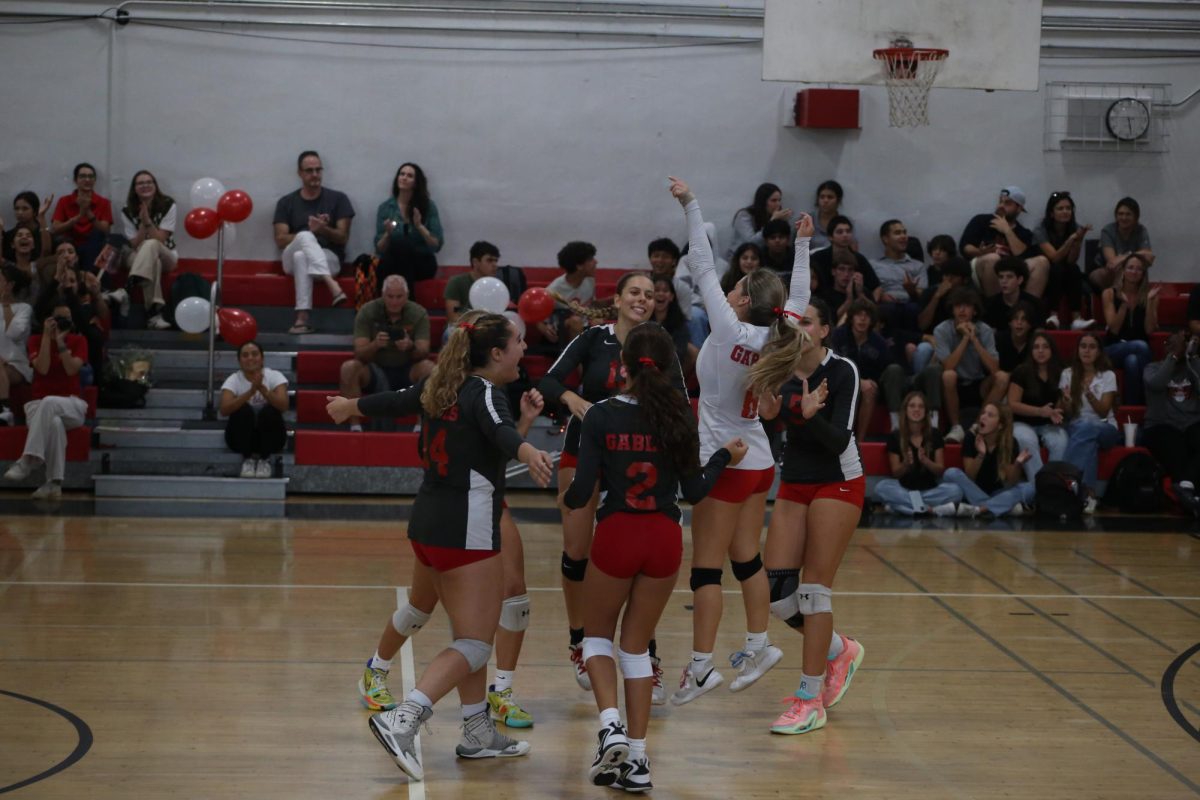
408,620
573,569
514,613
635,665
785,604
745,570
813,598
704,576
596,646
474,651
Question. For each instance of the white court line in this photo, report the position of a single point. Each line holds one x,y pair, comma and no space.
408,681
291,587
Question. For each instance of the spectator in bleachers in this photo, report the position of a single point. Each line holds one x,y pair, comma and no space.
312,225
663,255
841,242
391,345
995,478
935,301
1060,239
14,356
1193,310
858,341
576,286
254,400
408,228
686,291
1033,396
1130,316
990,237
941,248
1089,398
669,315
966,348
746,258
916,455
778,254
845,287
1172,425
90,313
1124,235
1012,340
23,260
902,278
1011,274
748,223
829,203
485,260
27,209
149,218
56,355
83,217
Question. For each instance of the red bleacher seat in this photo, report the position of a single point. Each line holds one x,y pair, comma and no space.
310,408
1172,311
431,294
320,366
12,443
346,449
875,460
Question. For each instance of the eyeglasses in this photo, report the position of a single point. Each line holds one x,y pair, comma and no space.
144,183
313,170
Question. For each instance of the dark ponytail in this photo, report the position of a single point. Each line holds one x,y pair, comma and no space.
649,357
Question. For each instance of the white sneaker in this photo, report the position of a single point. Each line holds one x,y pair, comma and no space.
1019,510
1089,506
6,417
1052,322
944,510
611,752
263,470
50,490
480,739
692,686
956,434
157,323
634,776
1082,324
967,510
753,664
19,471
658,693
579,667
396,730
249,468
121,298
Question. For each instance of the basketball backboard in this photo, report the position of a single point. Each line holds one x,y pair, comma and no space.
993,44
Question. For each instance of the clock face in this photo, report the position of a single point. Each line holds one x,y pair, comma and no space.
1128,119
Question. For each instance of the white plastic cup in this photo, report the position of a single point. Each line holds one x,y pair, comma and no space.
1131,434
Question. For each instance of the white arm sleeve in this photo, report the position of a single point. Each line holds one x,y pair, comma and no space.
721,318
801,289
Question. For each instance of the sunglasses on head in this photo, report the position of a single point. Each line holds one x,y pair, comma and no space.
1060,195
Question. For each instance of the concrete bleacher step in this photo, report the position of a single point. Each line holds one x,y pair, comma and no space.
215,463
270,340
161,414
190,487
160,436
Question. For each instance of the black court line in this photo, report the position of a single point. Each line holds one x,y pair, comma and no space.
1134,581
82,731
1117,618
1168,691
1044,678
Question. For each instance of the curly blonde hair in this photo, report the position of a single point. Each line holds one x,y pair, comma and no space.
469,347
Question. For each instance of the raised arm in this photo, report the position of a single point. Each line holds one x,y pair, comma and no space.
801,288
721,317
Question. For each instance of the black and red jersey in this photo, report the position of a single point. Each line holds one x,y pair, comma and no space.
466,451
822,449
619,447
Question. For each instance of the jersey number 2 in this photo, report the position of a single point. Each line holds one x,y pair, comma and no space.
750,406
649,477
436,453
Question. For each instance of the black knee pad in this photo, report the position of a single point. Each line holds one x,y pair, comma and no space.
703,576
573,569
745,570
784,582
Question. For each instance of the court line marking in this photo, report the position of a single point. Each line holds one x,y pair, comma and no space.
1125,576
408,682
373,587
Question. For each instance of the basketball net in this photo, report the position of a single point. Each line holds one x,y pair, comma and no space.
908,73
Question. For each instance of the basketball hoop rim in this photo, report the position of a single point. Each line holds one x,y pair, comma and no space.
911,53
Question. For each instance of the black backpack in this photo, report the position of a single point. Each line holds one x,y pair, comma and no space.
514,279
1059,492
1136,485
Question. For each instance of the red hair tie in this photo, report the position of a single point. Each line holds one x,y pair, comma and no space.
777,311
647,362
466,326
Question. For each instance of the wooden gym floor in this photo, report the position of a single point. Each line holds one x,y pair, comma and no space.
200,658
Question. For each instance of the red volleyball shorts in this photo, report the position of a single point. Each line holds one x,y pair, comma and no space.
852,491
444,559
627,544
735,485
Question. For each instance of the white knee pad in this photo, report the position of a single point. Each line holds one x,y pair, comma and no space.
514,613
408,620
596,646
474,651
813,598
635,665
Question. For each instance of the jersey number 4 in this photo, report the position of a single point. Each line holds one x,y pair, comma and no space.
644,475
750,406
435,453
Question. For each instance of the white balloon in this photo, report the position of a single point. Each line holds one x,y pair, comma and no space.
489,294
515,319
206,192
191,315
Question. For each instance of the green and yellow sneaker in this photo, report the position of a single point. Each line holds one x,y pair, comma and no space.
373,690
504,709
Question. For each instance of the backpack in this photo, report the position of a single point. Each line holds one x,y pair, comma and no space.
1136,485
366,279
188,284
1059,492
514,279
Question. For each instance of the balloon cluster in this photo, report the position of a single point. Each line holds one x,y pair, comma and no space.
212,206
235,325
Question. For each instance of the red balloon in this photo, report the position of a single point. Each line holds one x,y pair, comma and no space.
237,326
234,206
201,223
535,305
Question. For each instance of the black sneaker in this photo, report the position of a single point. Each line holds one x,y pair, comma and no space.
611,752
634,776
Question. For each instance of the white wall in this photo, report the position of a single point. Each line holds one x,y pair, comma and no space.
529,150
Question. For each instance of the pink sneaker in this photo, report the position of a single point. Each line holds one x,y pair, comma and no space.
803,715
840,671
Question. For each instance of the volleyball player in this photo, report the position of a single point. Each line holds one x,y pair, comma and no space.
729,522
468,438
597,351
643,447
817,507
